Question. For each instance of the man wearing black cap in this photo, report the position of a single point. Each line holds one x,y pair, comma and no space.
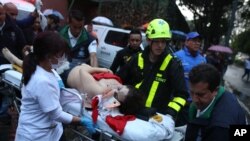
190,57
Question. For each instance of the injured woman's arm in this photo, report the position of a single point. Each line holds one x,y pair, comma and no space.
11,57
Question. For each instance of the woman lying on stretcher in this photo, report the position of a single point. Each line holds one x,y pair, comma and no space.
112,96
101,81
96,81
115,99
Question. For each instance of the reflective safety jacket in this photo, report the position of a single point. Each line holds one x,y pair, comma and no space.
163,82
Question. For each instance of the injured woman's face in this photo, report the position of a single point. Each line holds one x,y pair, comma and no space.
121,93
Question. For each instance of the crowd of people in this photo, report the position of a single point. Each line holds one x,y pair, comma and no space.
181,84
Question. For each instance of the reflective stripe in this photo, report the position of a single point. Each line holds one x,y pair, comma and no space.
159,75
141,65
180,101
175,106
140,61
138,85
155,84
152,93
165,62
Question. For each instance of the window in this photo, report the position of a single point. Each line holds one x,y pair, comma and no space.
117,38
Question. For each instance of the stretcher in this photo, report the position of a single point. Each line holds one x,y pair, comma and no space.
73,102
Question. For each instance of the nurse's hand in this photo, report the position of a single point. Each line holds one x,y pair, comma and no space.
89,124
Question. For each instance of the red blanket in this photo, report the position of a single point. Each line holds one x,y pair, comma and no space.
118,123
106,75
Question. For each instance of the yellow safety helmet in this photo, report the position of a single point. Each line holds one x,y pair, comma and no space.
158,28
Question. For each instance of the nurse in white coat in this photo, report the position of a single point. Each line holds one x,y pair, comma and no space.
41,114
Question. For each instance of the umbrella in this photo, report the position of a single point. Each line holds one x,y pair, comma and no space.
102,20
47,12
220,48
24,7
176,34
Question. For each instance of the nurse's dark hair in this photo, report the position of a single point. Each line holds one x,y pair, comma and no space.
46,44
205,73
133,102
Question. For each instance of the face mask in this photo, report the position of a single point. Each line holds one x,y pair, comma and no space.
60,62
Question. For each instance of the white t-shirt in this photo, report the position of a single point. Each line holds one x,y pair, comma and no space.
92,47
39,97
73,40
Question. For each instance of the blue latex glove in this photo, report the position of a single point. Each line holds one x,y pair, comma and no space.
88,123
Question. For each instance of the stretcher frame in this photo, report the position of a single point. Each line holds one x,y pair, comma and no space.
12,90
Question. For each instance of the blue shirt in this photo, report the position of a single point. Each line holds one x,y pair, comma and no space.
188,62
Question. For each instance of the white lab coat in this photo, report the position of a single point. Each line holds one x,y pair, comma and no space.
39,97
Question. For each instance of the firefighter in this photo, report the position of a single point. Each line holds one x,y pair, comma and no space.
157,73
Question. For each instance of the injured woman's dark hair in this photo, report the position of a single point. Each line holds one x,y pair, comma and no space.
134,104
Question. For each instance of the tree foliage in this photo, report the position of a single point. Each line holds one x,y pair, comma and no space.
245,15
242,43
137,12
210,18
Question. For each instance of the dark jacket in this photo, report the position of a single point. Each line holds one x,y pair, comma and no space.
26,22
225,112
30,35
122,57
173,86
11,36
